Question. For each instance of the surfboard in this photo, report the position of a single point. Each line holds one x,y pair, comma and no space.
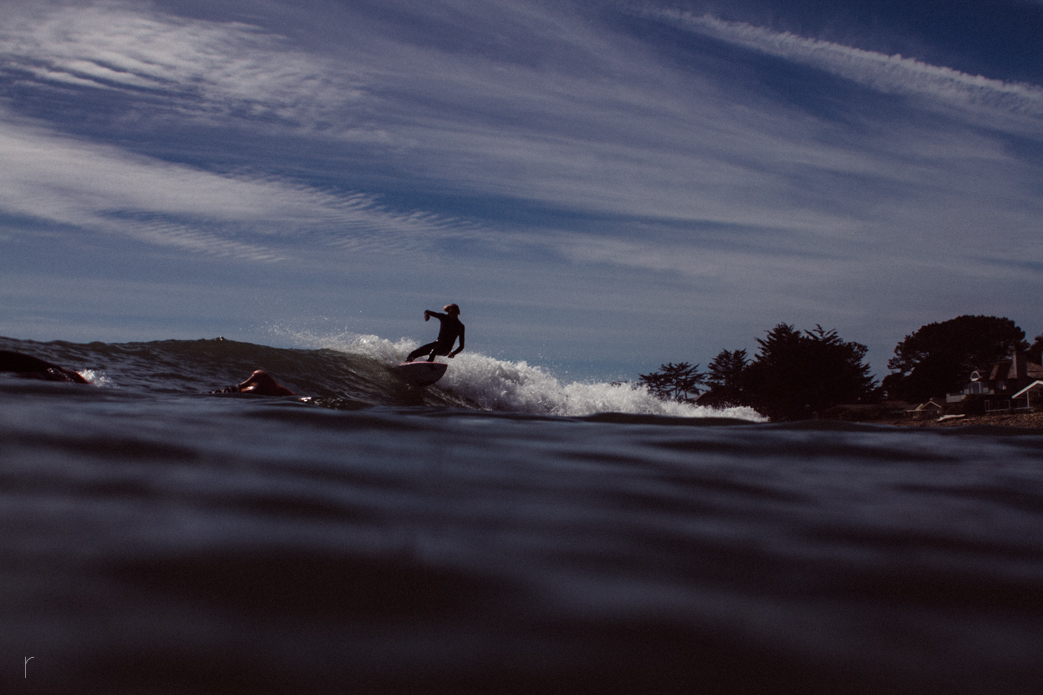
420,373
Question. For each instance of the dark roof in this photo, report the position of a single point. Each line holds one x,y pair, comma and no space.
1008,369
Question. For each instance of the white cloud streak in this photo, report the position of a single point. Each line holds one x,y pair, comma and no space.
104,189
887,73
194,68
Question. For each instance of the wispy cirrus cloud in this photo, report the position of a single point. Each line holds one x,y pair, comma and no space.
559,129
103,189
193,68
887,73
556,114
591,123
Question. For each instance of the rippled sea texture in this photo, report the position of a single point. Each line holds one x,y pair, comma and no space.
173,543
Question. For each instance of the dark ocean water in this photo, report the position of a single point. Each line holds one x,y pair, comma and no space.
499,533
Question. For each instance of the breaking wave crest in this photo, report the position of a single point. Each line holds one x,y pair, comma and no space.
505,386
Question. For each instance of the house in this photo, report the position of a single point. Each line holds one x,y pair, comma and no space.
929,409
1013,374
1031,395
1002,378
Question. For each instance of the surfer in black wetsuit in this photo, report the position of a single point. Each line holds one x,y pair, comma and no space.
29,367
450,330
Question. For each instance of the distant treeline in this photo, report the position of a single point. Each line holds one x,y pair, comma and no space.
798,374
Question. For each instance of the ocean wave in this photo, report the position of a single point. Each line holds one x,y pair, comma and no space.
356,367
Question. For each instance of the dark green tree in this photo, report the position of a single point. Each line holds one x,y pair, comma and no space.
726,378
798,374
1035,353
938,358
675,382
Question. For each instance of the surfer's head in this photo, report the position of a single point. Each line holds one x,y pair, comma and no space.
451,309
262,383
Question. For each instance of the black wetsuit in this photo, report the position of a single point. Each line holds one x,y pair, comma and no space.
450,330
29,367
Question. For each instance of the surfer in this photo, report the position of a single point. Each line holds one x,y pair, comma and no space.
450,330
29,367
260,383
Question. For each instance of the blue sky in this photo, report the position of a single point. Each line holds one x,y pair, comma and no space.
601,186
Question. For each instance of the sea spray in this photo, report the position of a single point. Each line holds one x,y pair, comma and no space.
373,346
96,377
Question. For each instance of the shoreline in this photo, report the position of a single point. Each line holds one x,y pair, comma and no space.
1012,420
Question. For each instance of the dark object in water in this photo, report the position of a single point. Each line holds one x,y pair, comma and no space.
420,373
260,383
29,367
